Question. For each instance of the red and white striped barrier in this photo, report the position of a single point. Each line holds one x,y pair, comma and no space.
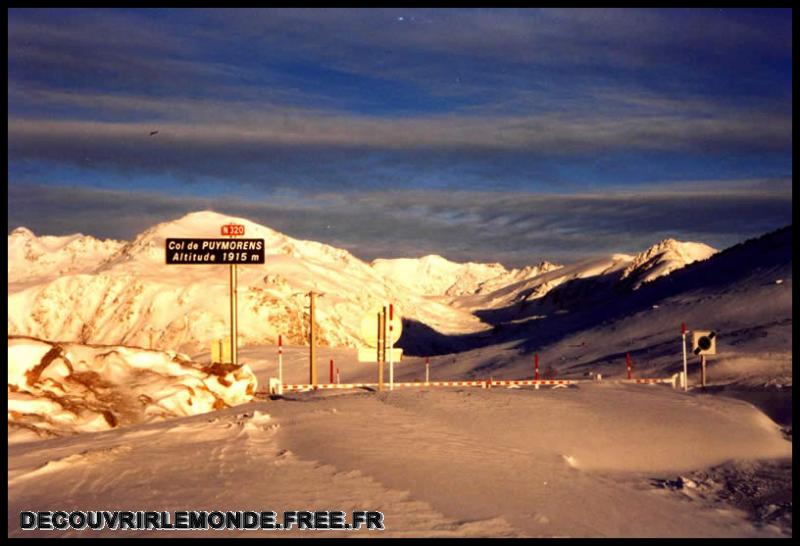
502,383
651,381
324,386
443,384
421,384
478,383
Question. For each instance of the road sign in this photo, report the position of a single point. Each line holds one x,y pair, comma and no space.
704,342
369,331
230,252
215,251
232,230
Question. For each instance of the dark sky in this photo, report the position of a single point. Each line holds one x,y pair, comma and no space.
489,135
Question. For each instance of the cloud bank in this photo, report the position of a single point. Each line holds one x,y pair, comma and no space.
513,228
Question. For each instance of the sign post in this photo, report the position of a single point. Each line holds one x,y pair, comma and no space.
312,369
234,230
190,251
703,372
703,343
234,282
379,343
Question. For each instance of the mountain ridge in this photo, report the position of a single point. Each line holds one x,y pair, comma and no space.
131,295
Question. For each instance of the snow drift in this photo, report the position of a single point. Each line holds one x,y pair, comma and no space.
56,388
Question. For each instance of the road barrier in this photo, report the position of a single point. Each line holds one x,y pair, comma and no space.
421,384
489,383
503,383
674,381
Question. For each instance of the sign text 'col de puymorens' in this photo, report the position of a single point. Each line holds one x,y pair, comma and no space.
215,251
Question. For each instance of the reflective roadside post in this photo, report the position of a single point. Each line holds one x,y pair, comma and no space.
427,369
685,365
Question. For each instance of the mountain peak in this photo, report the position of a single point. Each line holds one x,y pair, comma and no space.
22,231
664,257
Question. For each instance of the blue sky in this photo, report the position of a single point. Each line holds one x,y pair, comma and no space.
382,116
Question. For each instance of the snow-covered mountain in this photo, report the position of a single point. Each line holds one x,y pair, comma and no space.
35,259
132,297
436,276
79,289
598,276
663,258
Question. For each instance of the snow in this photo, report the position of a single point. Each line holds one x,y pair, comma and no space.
500,462
37,259
80,289
133,291
436,276
664,258
598,459
58,388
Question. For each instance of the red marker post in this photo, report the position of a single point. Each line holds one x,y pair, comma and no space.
536,366
629,364
280,359
331,374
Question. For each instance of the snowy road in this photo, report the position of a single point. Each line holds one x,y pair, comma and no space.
472,462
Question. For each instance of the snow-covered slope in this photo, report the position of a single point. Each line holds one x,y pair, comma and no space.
36,259
524,463
433,275
744,293
615,272
534,287
133,298
56,388
436,276
663,258
80,289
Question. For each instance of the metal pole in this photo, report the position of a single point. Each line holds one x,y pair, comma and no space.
312,368
381,346
427,369
234,311
391,349
703,371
